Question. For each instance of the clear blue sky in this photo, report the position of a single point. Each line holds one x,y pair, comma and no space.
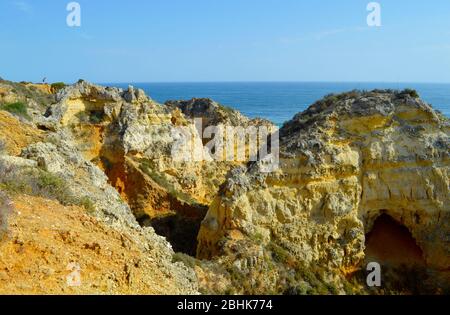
225,40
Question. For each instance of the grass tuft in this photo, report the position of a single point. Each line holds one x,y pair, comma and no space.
37,182
17,108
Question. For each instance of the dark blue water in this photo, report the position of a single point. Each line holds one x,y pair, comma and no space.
280,101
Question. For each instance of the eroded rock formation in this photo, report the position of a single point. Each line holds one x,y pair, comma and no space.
92,168
131,138
344,161
63,211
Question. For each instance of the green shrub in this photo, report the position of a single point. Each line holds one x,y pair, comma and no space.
87,204
50,181
257,238
411,92
58,86
18,109
23,91
279,254
13,187
94,117
48,185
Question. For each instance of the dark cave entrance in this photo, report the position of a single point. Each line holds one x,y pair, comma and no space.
403,267
390,242
180,228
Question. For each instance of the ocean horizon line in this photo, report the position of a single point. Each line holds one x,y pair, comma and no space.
279,101
272,82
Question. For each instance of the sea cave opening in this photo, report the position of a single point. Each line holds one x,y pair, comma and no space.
391,242
392,245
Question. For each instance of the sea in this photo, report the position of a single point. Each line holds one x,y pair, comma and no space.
280,101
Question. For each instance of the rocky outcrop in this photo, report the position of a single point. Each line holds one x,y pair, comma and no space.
132,138
87,180
122,131
344,161
53,166
35,99
91,175
214,114
43,87
59,167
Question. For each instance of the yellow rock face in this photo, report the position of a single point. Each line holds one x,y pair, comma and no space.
342,166
17,135
132,144
45,88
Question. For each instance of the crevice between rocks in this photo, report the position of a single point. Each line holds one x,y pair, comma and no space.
153,205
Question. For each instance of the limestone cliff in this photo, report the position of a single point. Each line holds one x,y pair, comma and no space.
131,138
124,130
59,209
344,161
214,114
89,176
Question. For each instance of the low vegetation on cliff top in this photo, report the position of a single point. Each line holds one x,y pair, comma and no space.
57,86
24,91
17,108
37,182
333,98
